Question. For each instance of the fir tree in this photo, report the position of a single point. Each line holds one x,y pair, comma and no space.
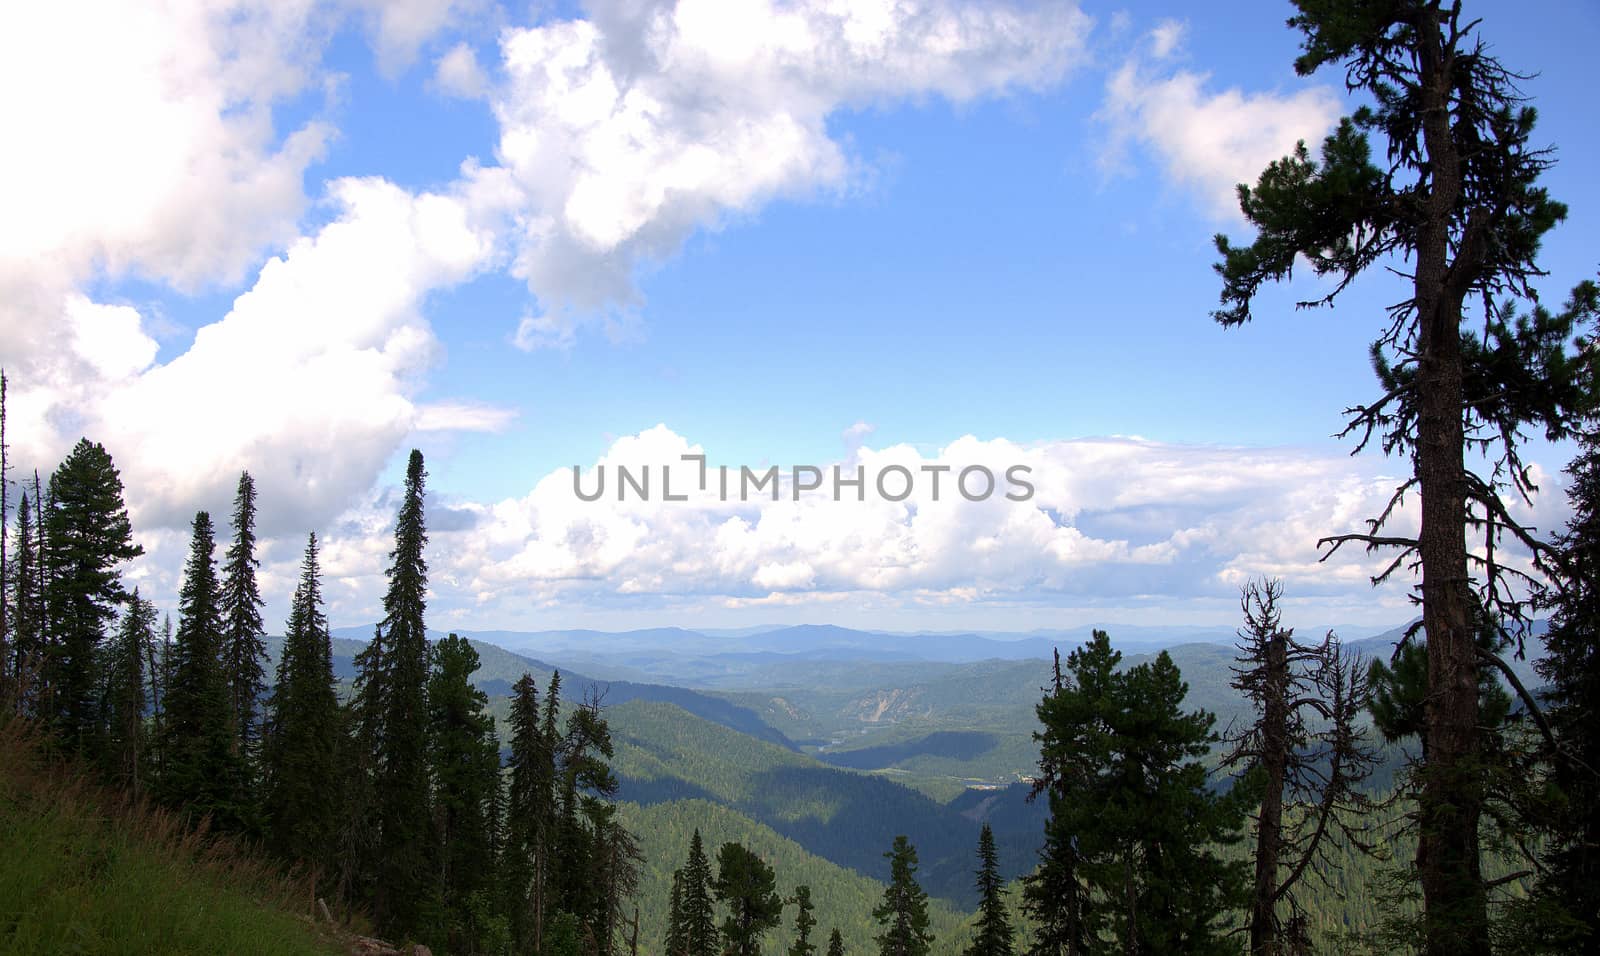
804,921
746,885
532,770
994,926
699,917
89,536
244,652
903,914
466,759
673,944
404,807
1054,895
201,769
835,943
125,694
301,731
1122,762
27,611
1571,866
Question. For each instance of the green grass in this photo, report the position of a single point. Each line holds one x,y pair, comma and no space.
83,872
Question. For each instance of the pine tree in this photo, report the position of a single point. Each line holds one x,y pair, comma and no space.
903,914
301,731
404,808
27,611
1305,750
835,943
804,921
1456,196
202,771
1054,896
7,679
994,926
747,886
699,917
244,651
674,943
1122,763
532,770
466,759
1572,669
89,536
125,694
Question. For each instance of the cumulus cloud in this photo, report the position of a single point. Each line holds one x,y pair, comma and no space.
623,132
1206,141
457,73
1111,519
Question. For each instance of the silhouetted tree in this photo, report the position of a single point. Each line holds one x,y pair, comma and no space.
1456,197
244,650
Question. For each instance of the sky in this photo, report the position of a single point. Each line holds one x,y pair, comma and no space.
303,237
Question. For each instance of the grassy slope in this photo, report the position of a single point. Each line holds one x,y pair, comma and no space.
81,874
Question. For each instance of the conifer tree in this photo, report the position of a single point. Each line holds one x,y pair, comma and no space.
747,886
89,536
1455,195
26,651
1122,763
994,926
125,694
804,921
699,917
1054,895
835,943
1306,751
674,943
404,807
244,650
1571,866
531,775
466,759
301,731
903,914
202,771
7,681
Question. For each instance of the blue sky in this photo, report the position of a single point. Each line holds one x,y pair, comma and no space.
525,238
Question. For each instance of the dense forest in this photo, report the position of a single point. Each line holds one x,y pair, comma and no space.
413,802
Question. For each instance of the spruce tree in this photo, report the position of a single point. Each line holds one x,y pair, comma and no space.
89,536
804,921
747,886
1570,878
674,943
1123,764
27,611
125,694
994,936
202,772
404,807
531,773
835,943
699,916
1455,196
244,650
301,731
466,759
903,914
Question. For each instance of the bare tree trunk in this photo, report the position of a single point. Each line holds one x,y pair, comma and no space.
1269,822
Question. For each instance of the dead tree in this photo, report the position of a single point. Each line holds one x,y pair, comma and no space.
1306,753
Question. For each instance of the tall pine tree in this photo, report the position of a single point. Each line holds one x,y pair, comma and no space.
89,535
301,731
903,914
699,915
125,694
805,920
748,888
27,613
403,799
202,771
244,650
527,815
994,937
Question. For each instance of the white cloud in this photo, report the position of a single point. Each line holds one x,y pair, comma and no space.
1205,141
624,132
400,28
458,73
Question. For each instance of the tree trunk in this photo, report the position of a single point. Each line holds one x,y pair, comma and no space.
1269,822
1455,917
